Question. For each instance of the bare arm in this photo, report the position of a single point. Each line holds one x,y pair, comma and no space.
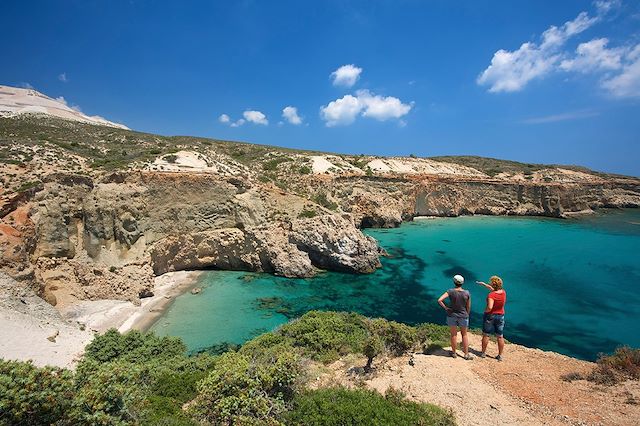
441,301
469,305
485,285
489,304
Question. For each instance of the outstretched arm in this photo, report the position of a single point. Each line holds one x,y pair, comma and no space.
485,285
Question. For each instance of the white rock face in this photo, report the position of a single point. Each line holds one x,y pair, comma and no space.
16,101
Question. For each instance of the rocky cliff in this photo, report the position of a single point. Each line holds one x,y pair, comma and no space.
93,213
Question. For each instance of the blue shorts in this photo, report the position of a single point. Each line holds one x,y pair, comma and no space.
493,324
458,322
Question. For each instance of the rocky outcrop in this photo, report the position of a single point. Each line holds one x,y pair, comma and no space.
296,249
64,281
454,198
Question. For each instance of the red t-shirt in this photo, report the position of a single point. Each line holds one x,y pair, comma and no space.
499,299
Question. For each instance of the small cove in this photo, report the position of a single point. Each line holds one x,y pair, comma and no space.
572,284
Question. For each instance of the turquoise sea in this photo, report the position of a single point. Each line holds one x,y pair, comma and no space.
573,285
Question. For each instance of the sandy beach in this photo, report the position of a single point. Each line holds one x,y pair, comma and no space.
101,315
34,330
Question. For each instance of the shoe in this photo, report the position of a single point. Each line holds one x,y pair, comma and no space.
499,358
468,357
482,355
453,354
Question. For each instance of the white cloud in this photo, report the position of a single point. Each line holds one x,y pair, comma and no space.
627,83
346,75
290,114
342,111
224,118
594,55
255,117
382,108
63,77
511,71
237,123
345,110
25,85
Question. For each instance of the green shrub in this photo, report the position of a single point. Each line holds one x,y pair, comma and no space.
111,393
272,165
373,347
307,214
339,406
133,346
171,158
242,391
28,185
305,170
325,336
321,198
397,338
32,395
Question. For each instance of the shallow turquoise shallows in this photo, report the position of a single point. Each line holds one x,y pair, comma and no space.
573,285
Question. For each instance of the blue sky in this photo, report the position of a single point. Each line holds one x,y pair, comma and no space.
535,81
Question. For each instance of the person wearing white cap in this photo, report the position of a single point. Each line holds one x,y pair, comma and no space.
457,314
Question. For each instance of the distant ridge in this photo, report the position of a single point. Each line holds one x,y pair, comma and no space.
16,101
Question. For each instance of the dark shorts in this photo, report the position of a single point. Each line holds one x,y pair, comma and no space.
457,322
493,324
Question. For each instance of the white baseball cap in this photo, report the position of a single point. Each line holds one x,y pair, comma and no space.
458,279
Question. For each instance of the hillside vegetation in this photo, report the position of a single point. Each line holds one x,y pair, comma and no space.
140,378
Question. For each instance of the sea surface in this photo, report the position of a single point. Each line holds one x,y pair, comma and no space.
573,285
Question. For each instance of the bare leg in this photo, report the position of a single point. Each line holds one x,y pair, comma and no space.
500,345
465,340
485,343
453,330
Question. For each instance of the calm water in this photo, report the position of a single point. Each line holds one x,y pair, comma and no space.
572,284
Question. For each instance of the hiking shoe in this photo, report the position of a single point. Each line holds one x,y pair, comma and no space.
453,354
482,355
468,357
499,358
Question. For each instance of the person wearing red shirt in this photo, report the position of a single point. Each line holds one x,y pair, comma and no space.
493,319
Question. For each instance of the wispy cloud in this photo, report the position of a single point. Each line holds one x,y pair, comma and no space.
566,116
25,85
63,77
512,71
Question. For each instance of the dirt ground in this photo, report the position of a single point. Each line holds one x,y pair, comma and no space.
525,388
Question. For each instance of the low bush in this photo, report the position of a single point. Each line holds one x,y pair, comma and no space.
133,346
28,393
307,214
339,406
321,198
325,336
623,364
241,390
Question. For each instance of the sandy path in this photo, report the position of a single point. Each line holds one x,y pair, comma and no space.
524,389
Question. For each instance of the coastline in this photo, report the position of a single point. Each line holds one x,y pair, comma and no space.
101,315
